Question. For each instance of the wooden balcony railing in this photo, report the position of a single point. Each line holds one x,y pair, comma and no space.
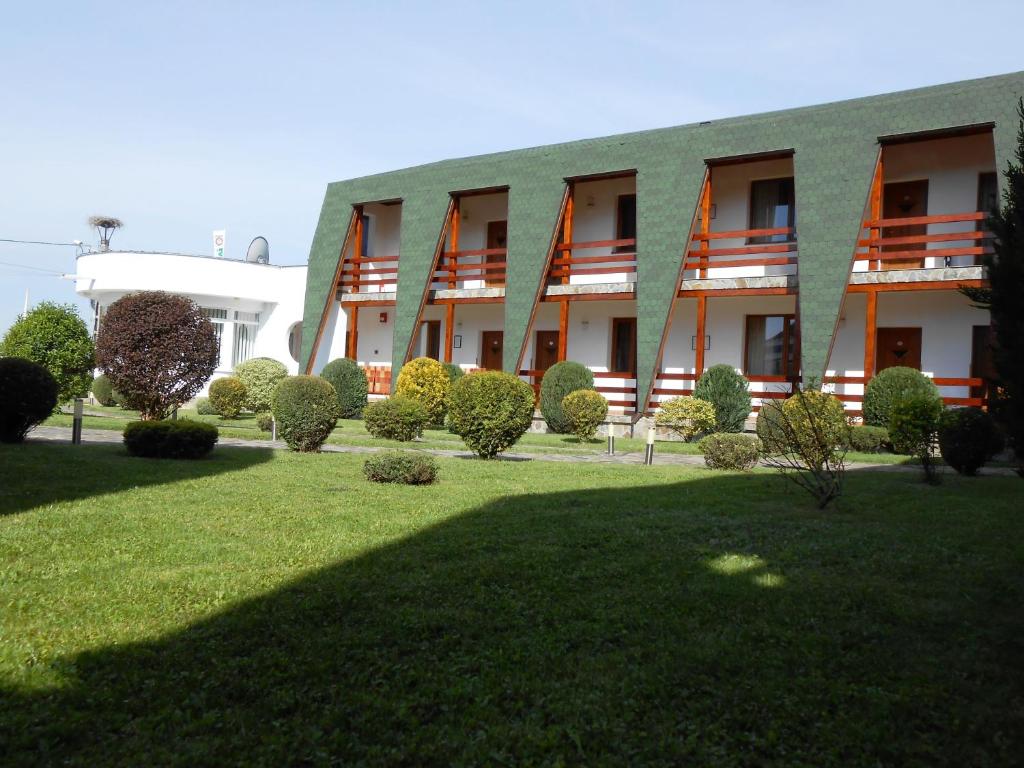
486,264
942,382
363,274
702,256
566,265
905,243
618,395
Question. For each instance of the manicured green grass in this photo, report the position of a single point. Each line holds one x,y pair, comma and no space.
266,608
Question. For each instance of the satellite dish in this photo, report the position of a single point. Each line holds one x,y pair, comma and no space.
259,251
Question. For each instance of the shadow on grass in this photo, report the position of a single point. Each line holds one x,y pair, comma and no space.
629,626
78,472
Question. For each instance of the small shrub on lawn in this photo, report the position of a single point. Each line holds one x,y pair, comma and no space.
261,375
104,391
490,411
686,416
426,381
227,396
204,407
968,437
559,380
454,372
890,385
265,421
181,439
585,411
913,423
28,394
769,427
306,410
867,439
401,467
349,380
396,418
725,450
729,393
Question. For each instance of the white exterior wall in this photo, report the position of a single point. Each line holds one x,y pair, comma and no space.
275,292
946,319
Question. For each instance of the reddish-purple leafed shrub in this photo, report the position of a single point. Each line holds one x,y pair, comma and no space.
157,349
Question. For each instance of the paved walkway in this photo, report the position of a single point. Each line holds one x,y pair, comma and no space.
63,434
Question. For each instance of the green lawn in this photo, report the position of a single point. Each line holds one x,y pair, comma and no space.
265,608
353,432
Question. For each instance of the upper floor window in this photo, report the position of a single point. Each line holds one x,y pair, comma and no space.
772,206
769,345
367,244
625,222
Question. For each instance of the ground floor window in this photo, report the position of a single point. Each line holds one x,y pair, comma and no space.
623,357
246,324
769,345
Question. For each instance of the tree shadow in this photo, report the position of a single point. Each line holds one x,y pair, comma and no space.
649,625
81,471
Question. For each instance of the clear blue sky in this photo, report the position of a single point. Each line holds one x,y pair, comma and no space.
181,118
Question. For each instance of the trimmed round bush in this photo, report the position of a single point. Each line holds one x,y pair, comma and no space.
770,429
349,381
890,385
866,439
815,426
490,411
260,376
912,424
585,410
204,407
28,394
265,421
454,372
395,418
729,393
559,380
724,450
426,381
167,439
227,396
405,467
968,437
104,392
306,410
686,416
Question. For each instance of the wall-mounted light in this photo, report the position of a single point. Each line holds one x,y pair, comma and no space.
383,317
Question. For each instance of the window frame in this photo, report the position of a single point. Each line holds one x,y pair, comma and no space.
618,223
791,220
790,334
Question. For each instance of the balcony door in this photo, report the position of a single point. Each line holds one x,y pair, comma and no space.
497,237
897,346
904,200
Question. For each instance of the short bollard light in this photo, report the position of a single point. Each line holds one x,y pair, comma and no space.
76,423
649,450
273,429
611,439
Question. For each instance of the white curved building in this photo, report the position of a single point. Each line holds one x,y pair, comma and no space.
256,308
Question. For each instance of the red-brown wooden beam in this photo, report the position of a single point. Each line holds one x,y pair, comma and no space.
702,317
922,285
449,332
563,329
325,314
870,325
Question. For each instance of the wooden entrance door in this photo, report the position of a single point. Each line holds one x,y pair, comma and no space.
491,348
982,366
901,200
897,346
545,354
432,338
497,237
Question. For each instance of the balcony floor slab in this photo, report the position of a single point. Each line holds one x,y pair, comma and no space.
933,274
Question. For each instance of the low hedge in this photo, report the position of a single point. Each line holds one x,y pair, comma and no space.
891,385
404,467
490,411
560,380
585,410
104,391
306,410
968,437
28,394
260,375
204,407
167,439
265,421
349,380
771,428
396,418
730,450
227,396
867,439
729,392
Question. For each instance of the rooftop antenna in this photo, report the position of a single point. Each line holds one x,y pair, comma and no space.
105,227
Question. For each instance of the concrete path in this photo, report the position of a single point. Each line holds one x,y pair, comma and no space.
63,434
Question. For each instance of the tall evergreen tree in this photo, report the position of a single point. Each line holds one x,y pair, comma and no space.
1004,297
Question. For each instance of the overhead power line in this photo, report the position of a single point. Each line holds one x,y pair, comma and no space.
34,269
35,242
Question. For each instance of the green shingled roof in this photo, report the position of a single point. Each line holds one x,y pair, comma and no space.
834,149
